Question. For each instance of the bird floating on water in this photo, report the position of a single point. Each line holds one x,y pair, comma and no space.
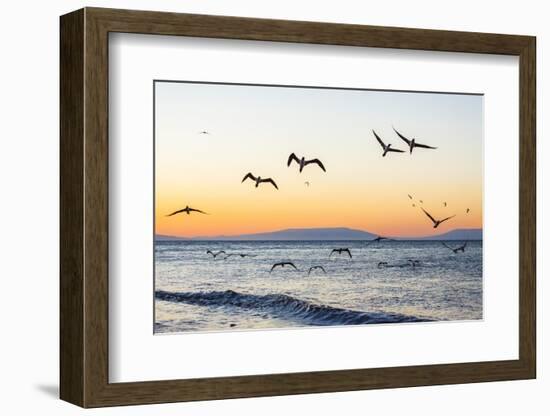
412,143
188,210
316,267
259,180
387,148
436,222
457,249
340,251
283,264
303,162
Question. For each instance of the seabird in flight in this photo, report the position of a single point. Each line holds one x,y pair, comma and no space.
259,180
387,148
316,267
242,255
412,142
215,254
283,264
303,162
456,250
436,222
377,240
340,251
187,210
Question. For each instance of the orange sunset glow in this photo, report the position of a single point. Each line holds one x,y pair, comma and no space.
254,129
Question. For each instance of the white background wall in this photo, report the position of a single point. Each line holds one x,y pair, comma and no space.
29,158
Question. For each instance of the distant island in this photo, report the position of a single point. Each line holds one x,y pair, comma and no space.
328,234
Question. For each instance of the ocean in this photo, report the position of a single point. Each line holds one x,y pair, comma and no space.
196,292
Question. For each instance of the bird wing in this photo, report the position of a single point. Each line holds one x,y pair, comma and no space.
402,137
198,210
209,252
464,245
322,268
424,146
379,140
349,252
317,161
391,149
429,216
248,175
275,265
271,181
175,212
450,248
333,251
448,218
291,158
310,269
291,264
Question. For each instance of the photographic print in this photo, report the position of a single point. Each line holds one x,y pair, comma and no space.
288,206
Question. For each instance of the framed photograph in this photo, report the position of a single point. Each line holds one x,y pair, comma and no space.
255,207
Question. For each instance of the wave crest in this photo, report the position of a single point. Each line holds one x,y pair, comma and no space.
285,306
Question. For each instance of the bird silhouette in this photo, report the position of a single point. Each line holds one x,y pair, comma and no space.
259,180
187,210
436,222
214,255
283,264
316,267
303,162
340,251
457,249
412,143
387,148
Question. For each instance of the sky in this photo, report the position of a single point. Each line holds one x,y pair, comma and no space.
255,128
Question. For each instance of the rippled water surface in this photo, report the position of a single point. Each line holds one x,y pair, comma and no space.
195,292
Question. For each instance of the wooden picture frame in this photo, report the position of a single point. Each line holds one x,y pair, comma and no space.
84,207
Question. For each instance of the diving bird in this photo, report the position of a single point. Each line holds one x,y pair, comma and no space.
303,162
412,142
283,264
387,148
316,267
340,251
187,210
457,249
259,180
215,254
436,222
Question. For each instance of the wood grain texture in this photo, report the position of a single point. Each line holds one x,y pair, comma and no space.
71,186
84,204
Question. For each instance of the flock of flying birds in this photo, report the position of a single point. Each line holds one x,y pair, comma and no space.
302,163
